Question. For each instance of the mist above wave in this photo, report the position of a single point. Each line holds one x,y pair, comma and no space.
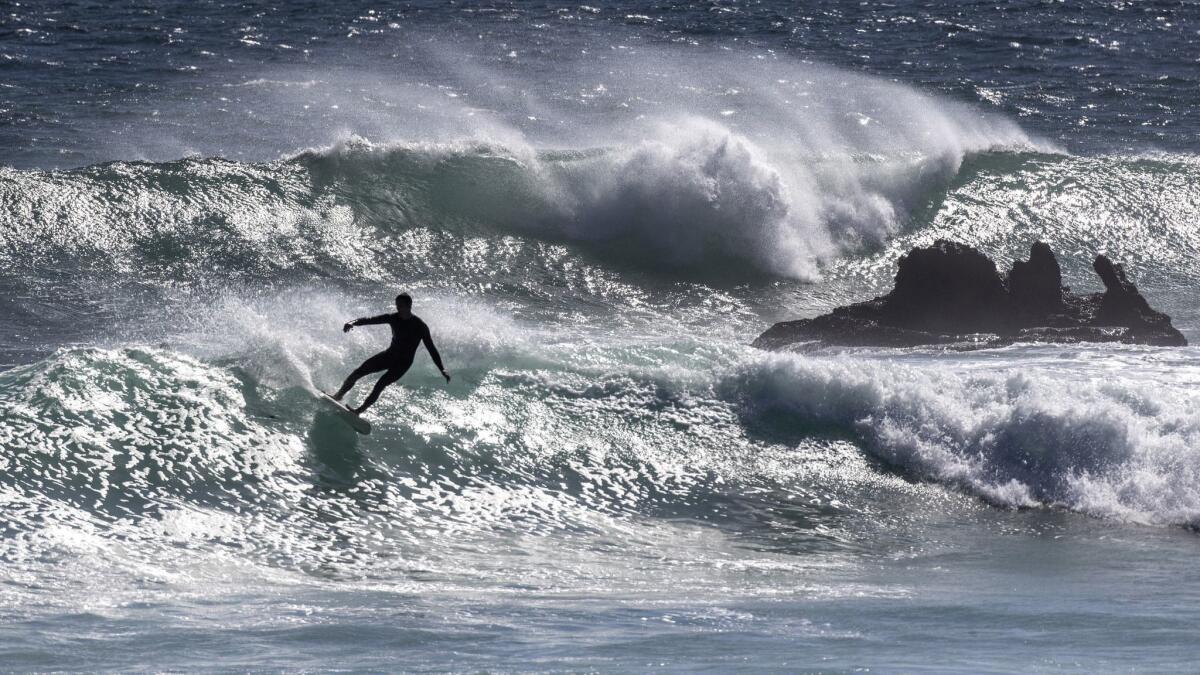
688,159
758,166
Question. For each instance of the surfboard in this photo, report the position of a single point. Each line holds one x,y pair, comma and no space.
347,415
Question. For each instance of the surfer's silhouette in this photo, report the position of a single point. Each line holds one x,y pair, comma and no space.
408,331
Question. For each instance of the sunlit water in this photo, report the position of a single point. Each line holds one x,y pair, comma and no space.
597,209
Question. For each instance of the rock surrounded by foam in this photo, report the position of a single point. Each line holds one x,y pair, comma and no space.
950,293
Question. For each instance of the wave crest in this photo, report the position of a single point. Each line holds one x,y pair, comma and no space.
1017,437
681,193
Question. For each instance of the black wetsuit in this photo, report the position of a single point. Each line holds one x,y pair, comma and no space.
407,335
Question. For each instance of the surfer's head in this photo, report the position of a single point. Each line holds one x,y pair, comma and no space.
404,303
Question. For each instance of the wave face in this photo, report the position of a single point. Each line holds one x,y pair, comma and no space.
758,177
181,458
595,209
1020,431
181,455
706,205
547,268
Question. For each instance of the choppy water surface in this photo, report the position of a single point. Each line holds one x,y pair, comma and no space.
596,208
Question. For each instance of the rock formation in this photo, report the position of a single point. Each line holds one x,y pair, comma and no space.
951,293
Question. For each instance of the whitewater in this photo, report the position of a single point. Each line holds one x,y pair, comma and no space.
596,210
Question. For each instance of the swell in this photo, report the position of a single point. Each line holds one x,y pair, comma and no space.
547,437
359,211
1024,432
695,196
1139,210
148,445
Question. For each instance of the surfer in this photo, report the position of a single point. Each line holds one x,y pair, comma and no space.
408,331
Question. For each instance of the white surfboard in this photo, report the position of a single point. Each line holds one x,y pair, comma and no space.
349,416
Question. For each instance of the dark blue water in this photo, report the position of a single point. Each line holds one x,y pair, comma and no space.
596,209
89,82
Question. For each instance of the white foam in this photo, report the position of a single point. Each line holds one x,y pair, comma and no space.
694,156
294,338
646,163
1015,434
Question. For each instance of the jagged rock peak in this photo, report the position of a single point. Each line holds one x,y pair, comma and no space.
950,293
1035,285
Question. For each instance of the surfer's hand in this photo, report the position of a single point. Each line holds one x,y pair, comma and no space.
346,328
447,376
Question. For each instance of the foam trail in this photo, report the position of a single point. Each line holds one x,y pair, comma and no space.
1016,435
1020,428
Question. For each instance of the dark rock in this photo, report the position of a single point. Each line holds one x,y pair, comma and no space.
1073,334
1035,286
1123,305
947,288
846,330
951,294
1113,277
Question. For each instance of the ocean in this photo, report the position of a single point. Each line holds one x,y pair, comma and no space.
596,210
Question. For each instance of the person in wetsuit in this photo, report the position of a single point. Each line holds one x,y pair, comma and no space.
408,331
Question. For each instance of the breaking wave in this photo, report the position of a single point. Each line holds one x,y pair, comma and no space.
590,389
1019,433
779,196
231,450
706,201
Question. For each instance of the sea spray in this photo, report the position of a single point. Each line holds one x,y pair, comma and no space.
1015,434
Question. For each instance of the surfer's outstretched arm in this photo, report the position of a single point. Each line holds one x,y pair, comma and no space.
366,321
433,353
